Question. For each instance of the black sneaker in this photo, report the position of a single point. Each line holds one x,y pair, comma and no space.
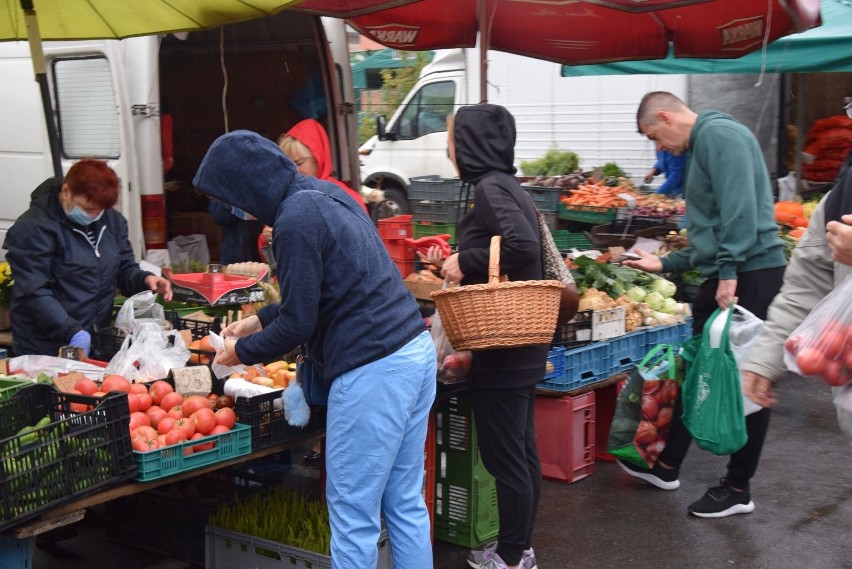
722,501
663,478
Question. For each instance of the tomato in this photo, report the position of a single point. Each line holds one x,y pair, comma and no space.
792,345
664,418
159,389
133,402
185,425
650,408
155,413
226,417
175,436
811,361
203,446
651,387
143,444
669,391
193,403
175,412
115,383
204,419
138,388
219,429
646,432
166,424
832,340
86,386
224,401
77,407
833,374
170,400
145,401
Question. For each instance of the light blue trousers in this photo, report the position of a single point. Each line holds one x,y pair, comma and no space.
375,439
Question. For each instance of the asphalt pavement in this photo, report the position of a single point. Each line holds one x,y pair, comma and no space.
802,492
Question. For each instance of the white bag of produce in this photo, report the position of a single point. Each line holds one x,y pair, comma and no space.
744,330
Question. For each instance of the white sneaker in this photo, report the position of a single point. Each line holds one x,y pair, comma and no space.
476,557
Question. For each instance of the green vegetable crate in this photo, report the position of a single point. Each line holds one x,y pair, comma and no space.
228,549
171,460
10,386
586,213
426,228
465,493
50,453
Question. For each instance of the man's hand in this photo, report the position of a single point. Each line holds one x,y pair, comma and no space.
726,293
648,262
839,237
649,177
758,389
159,285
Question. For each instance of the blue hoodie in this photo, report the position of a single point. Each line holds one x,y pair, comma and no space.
340,291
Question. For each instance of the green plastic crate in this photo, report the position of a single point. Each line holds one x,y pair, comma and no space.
566,240
465,493
586,213
170,460
8,387
425,228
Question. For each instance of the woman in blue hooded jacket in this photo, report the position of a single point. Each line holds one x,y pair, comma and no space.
343,296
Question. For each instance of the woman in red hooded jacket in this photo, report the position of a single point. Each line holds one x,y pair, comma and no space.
307,145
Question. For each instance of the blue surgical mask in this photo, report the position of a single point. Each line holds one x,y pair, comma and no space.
80,217
241,214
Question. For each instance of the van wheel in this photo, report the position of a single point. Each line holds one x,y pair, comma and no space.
395,203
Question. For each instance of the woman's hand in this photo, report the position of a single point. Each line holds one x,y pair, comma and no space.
243,327
267,235
228,355
758,389
159,285
433,256
839,237
451,270
647,262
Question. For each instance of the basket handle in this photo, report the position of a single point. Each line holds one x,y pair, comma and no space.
494,261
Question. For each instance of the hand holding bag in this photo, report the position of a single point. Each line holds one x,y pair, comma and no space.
712,397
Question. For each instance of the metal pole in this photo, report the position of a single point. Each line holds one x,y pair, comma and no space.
484,42
40,68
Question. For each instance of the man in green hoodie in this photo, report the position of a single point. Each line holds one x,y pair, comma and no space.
734,244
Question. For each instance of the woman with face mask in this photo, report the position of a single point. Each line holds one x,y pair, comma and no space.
69,252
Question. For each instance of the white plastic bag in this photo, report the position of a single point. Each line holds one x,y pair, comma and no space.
141,307
154,350
744,330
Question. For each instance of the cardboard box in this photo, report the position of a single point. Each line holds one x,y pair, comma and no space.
421,289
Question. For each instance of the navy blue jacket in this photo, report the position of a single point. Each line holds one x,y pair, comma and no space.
340,290
485,148
63,283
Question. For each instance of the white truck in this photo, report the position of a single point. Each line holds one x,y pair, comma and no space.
594,117
152,105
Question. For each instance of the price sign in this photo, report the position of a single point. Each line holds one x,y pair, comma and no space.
192,380
66,382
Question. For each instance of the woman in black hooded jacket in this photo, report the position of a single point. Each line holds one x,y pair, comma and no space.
503,381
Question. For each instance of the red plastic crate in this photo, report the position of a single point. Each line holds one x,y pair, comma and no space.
565,436
404,264
429,473
604,412
398,227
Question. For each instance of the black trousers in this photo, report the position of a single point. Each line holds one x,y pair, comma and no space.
505,427
755,291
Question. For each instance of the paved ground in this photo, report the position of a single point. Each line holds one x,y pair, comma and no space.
803,493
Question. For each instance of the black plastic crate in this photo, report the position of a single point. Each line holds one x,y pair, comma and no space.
545,199
106,342
436,211
576,332
428,188
198,328
263,413
76,454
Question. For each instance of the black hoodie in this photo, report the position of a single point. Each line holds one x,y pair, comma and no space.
484,137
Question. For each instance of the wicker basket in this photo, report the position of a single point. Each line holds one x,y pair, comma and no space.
499,314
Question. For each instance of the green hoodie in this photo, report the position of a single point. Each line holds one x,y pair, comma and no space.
730,211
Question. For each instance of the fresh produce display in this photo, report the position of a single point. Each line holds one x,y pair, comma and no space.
567,181
600,195
281,515
658,205
248,269
791,214
671,242
554,163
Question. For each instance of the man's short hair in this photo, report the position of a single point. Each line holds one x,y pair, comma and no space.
654,102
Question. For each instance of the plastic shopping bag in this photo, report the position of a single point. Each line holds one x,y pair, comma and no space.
818,346
149,352
745,328
140,308
453,366
643,411
712,396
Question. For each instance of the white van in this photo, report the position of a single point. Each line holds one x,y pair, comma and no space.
592,116
152,106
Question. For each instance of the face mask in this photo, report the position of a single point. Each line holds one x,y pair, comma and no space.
241,214
80,217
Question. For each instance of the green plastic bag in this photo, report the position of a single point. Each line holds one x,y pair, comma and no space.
712,398
644,408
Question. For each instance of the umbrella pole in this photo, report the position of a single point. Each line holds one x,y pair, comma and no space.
39,66
484,41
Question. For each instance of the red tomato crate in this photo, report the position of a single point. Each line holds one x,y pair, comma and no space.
565,436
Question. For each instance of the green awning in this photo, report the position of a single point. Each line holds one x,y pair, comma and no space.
826,48
382,59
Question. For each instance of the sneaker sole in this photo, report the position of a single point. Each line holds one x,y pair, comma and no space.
650,478
735,509
477,566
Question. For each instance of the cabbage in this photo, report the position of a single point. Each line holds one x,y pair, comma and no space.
654,300
670,306
637,294
664,287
